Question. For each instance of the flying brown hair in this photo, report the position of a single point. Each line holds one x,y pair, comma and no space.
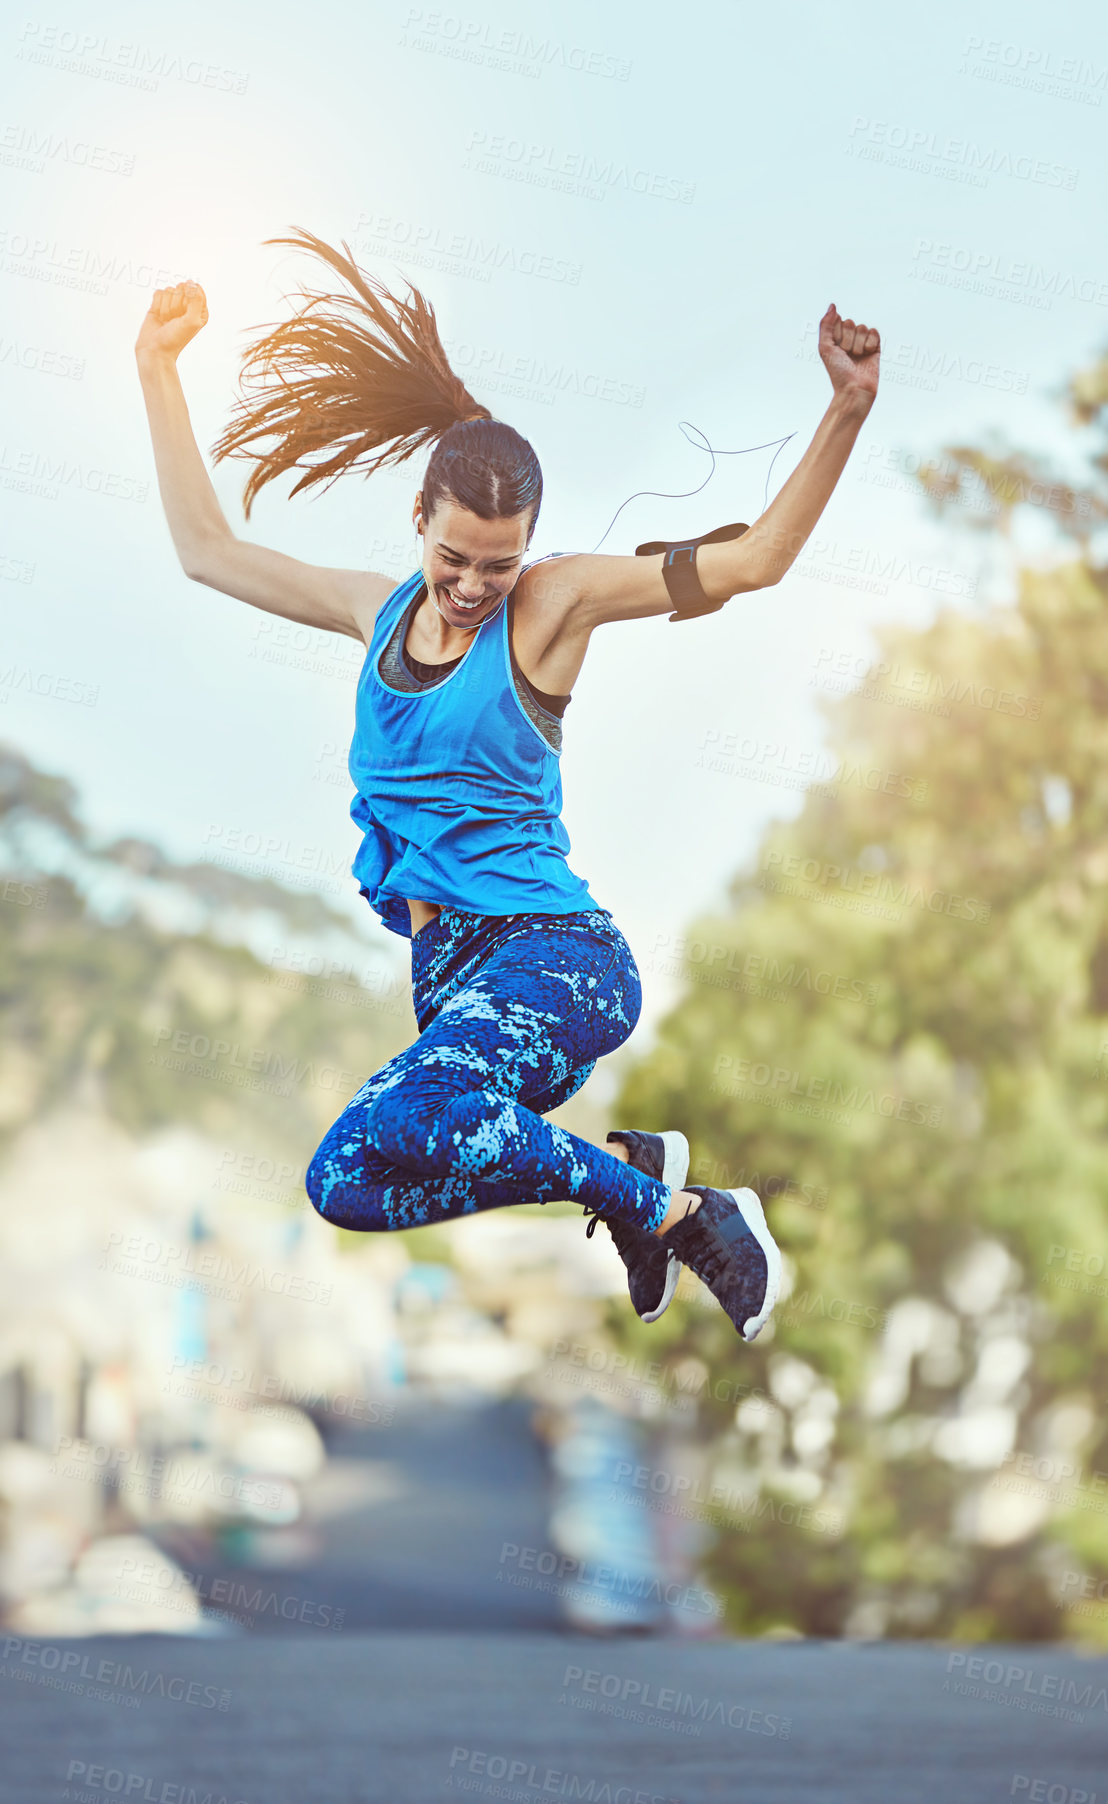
359,380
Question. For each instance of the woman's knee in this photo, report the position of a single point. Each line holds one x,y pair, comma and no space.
342,1200
318,1179
399,1123
336,1168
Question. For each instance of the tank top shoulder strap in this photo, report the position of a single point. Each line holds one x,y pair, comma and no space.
392,610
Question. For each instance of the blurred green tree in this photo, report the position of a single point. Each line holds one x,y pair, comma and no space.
898,1034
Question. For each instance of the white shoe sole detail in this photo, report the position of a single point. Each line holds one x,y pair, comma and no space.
675,1170
673,1273
753,1214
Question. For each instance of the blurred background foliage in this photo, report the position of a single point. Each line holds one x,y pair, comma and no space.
103,985
897,1032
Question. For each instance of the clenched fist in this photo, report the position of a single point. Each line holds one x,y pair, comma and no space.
175,316
851,353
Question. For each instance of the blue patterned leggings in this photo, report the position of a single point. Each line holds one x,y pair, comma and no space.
513,1013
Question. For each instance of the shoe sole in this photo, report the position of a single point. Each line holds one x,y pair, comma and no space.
674,1172
753,1214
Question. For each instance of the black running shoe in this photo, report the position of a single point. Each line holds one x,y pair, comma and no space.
728,1245
652,1270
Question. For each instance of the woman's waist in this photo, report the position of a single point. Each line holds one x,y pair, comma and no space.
448,924
463,837
405,798
422,913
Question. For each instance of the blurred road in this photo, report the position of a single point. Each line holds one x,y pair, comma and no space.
417,1692
407,1718
428,1553
407,1526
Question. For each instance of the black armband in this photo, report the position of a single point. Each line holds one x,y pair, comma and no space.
679,569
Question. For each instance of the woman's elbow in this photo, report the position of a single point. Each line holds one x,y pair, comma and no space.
201,563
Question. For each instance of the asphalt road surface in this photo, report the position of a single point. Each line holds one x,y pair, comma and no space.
409,1717
453,1674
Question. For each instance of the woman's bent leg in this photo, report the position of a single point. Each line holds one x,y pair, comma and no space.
447,1126
376,1195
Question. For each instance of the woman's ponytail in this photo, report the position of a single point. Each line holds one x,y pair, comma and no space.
360,380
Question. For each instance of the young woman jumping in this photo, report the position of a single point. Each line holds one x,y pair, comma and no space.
521,979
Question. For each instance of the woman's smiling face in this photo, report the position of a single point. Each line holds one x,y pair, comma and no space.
470,564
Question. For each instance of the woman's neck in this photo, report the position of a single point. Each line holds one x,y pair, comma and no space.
437,640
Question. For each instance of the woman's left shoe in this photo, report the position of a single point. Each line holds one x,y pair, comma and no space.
652,1270
729,1246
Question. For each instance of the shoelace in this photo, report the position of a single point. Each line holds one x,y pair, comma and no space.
713,1257
622,1232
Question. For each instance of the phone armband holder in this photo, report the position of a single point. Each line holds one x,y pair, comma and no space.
679,569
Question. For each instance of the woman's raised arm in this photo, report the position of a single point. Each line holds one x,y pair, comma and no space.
336,601
632,588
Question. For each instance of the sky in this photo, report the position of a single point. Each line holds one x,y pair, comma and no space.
626,218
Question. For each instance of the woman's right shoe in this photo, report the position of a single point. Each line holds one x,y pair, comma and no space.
652,1269
728,1245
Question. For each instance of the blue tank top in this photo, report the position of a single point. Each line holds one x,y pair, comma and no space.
459,795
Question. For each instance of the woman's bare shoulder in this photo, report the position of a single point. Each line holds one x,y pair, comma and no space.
546,619
549,585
